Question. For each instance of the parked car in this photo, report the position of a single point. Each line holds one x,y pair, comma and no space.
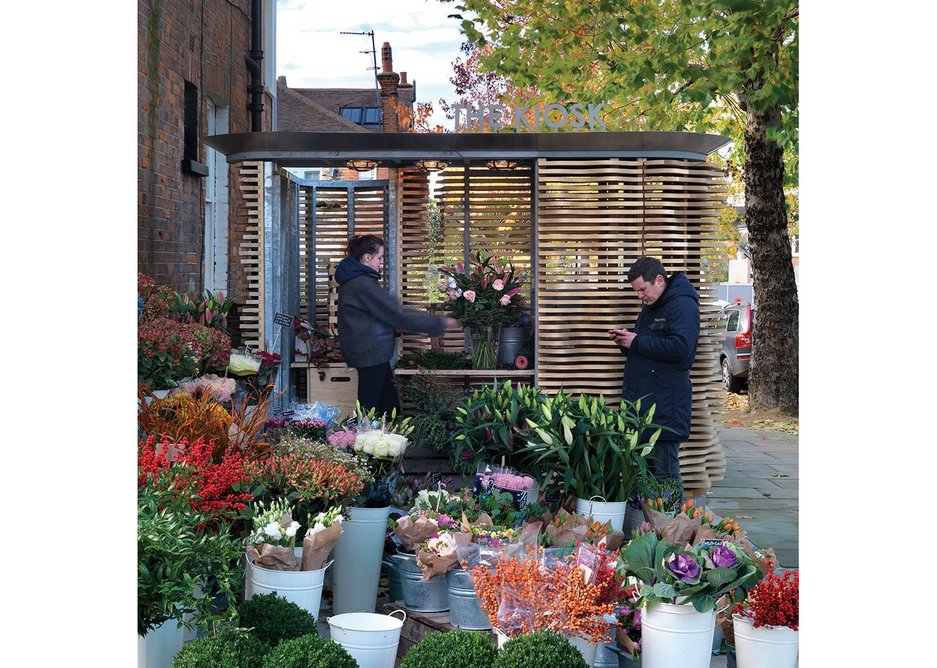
738,320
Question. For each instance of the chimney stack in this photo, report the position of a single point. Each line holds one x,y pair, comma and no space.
405,95
388,80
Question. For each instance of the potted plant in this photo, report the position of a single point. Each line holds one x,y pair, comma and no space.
309,651
544,649
766,622
273,619
453,649
232,648
679,589
594,451
483,296
187,561
167,352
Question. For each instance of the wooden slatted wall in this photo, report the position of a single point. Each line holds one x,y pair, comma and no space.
594,219
251,254
499,205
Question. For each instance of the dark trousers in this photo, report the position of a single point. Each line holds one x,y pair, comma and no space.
376,389
665,460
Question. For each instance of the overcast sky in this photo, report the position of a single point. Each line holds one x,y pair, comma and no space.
312,54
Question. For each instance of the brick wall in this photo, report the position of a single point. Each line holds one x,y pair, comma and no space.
203,42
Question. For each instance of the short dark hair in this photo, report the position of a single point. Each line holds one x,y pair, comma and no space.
364,243
648,268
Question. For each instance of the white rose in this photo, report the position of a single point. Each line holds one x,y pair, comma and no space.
291,529
398,444
443,546
381,447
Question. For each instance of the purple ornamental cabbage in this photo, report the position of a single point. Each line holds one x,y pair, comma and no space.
685,568
723,557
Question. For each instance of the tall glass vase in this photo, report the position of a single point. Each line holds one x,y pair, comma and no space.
484,346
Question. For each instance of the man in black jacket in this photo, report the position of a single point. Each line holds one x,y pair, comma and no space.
367,318
660,353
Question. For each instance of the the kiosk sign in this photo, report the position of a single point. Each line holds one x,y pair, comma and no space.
553,116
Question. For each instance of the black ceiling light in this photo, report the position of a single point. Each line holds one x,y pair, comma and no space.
361,165
501,163
432,165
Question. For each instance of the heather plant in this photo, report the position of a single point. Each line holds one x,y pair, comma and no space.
309,651
167,352
453,649
272,619
232,648
215,347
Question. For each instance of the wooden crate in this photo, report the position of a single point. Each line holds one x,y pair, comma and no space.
338,388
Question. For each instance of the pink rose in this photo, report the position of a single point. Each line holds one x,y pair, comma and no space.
470,295
498,284
505,300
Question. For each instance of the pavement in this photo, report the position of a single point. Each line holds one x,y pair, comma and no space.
760,489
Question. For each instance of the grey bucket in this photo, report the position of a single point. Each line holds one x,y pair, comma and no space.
511,341
465,612
421,595
394,581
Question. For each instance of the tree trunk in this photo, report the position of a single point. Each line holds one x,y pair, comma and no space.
774,373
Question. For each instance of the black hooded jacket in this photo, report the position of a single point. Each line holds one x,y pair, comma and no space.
368,316
661,356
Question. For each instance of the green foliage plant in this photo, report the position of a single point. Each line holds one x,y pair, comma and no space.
431,401
211,310
495,423
700,575
272,618
232,648
543,649
177,555
453,649
309,651
588,448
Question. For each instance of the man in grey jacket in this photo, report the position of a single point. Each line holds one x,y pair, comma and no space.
368,318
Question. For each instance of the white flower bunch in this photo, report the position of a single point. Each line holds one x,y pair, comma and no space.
274,525
380,444
432,499
325,519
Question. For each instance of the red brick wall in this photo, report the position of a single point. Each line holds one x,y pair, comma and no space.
204,42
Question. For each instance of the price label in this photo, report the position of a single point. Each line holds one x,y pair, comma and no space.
711,542
283,319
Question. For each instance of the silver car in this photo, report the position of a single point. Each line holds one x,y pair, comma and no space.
738,320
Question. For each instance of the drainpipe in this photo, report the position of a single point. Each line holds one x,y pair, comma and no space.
256,87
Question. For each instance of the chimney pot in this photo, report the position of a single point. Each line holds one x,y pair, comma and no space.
387,59
403,78
282,79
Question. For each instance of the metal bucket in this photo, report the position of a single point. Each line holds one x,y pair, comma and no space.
159,646
604,658
603,511
304,588
465,612
371,639
676,635
421,595
394,581
586,648
358,556
511,342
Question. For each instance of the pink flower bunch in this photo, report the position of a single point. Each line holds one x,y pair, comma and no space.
215,387
513,482
342,439
485,293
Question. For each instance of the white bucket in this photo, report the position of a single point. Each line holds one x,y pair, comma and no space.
358,557
764,647
586,648
371,639
159,646
676,635
304,588
603,511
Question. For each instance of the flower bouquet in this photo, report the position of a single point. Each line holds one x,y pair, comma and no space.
438,555
482,297
628,614
257,372
210,385
571,596
321,538
381,444
270,544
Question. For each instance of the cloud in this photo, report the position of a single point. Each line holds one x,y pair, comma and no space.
312,53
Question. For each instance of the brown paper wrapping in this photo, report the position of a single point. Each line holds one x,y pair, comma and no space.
274,557
318,546
432,564
724,619
626,643
484,520
412,534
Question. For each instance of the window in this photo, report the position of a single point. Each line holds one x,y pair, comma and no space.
190,163
732,323
216,204
362,115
